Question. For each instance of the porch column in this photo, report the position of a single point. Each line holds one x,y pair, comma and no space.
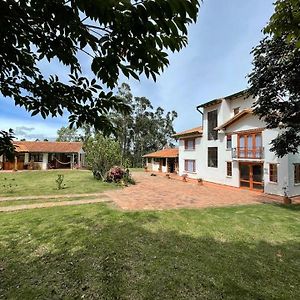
16,163
72,164
167,166
79,159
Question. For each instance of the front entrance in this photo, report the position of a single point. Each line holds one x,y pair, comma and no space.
251,176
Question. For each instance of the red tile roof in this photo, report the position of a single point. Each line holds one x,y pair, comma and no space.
164,153
194,131
48,147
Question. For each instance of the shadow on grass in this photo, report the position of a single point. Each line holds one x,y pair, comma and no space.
294,207
121,259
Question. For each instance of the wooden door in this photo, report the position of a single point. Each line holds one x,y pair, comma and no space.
251,176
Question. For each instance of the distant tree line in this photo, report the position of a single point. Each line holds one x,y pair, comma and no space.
145,129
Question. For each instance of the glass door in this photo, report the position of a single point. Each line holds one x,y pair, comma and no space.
251,176
245,175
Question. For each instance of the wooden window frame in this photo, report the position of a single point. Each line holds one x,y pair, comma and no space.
229,169
186,144
186,162
212,134
273,173
252,147
210,150
297,173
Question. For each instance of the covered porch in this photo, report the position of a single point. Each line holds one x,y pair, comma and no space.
165,161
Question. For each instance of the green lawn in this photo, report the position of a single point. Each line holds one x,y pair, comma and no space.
96,252
43,183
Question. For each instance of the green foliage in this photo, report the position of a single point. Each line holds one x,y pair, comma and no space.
101,153
275,79
145,129
6,144
285,22
9,185
118,37
66,134
60,182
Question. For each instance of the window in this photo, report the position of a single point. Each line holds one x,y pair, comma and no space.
229,168
190,165
149,160
189,144
164,162
212,123
297,173
213,157
273,173
236,110
228,142
156,159
36,157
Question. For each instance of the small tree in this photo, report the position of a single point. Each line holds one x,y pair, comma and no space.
101,154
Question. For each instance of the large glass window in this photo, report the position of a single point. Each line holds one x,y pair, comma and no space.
212,123
212,157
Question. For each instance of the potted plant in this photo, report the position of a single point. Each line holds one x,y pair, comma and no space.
184,177
200,181
286,198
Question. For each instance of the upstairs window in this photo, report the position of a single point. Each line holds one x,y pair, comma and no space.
212,156
189,144
297,173
273,173
236,110
190,165
228,142
212,123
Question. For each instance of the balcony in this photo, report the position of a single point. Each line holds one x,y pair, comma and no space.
248,153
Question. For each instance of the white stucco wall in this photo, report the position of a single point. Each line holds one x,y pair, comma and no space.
285,165
191,155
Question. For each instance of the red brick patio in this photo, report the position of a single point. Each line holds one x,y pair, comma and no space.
159,192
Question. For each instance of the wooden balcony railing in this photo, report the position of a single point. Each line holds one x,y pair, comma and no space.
248,153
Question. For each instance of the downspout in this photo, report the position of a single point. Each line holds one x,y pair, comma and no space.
198,109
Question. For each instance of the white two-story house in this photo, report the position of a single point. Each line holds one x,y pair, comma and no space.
232,147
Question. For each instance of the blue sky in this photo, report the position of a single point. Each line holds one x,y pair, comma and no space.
214,64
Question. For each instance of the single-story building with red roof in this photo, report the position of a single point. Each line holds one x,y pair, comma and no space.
42,155
165,160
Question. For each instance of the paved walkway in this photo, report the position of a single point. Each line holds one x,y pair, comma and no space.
159,192
50,196
52,204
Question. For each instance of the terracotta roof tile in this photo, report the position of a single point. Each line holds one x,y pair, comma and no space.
194,131
48,147
164,153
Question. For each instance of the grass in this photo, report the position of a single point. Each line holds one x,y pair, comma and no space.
35,183
95,252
